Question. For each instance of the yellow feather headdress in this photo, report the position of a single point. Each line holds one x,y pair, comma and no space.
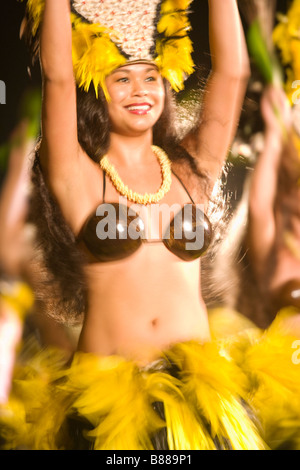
286,37
110,33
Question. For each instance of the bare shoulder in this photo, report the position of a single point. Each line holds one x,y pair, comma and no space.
78,190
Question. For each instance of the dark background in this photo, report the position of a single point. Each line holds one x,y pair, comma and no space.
14,60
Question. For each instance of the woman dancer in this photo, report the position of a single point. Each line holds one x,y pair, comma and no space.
144,375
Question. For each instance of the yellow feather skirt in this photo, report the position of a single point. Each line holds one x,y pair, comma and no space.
239,391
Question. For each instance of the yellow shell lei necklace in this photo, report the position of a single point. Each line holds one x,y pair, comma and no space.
132,196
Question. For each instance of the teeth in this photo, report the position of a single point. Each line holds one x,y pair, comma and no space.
139,108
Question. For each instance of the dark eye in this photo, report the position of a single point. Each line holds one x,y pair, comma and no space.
123,80
150,79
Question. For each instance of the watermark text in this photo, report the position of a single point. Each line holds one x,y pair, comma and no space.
296,94
153,222
296,354
2,92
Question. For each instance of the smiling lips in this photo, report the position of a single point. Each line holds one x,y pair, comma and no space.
139,108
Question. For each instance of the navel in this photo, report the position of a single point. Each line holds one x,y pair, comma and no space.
154,323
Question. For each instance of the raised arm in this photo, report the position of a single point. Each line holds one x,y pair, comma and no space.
210,140
13,204
265,200
59,148
15,296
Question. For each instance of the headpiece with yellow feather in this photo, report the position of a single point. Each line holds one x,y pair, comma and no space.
286,37
107,34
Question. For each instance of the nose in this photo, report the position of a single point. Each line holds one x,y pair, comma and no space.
139,88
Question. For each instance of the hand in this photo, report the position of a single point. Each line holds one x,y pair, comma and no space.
276,111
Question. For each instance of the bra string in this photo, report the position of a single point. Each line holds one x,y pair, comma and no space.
180,181
104,187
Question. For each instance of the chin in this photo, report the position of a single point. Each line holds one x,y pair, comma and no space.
136,132
139,128
145,125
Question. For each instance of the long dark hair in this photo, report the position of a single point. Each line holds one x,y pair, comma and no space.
59,281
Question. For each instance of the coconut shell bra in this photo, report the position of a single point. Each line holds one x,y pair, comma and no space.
115,231
288,294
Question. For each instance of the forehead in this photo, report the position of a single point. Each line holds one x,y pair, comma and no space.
136,68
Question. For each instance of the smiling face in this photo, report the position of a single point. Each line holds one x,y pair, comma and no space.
137,98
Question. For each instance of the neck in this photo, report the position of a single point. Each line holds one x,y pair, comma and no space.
126,151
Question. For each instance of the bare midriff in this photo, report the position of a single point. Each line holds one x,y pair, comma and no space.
139,306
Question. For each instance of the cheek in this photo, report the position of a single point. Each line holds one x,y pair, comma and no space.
116,92
160,97
116,99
